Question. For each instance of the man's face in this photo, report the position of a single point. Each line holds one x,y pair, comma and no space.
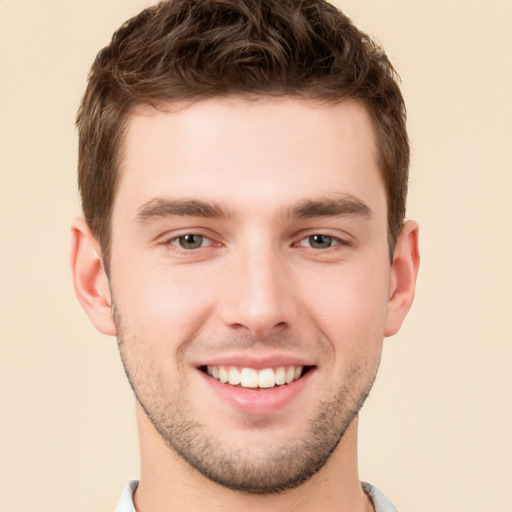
250,242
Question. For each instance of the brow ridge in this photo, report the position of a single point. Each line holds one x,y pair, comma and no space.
345,205
161,207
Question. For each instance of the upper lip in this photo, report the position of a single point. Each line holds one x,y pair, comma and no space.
256,362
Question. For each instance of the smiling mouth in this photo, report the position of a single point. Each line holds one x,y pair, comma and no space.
256,379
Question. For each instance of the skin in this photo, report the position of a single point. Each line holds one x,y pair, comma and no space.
255,287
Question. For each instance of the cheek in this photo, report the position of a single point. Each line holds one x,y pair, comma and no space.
163,305
351,306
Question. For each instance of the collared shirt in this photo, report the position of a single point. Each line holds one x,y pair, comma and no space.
380,502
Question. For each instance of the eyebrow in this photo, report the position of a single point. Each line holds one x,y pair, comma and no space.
160,207
345,205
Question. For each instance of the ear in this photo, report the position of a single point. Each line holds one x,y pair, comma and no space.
89,277
404,271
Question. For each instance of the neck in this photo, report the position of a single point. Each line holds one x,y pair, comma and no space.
169,483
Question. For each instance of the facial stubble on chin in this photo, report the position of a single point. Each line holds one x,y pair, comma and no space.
243,468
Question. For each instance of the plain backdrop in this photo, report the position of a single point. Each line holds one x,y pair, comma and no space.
436,433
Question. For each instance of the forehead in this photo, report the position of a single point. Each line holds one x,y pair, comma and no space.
249,152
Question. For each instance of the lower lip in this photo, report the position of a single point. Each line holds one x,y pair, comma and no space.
258,401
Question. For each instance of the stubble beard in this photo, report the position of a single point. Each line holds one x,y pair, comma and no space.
244,468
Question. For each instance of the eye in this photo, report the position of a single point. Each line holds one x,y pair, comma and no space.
191,241
319,241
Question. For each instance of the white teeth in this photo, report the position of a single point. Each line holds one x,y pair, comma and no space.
234,376
251,378
223,374
267,378
280,376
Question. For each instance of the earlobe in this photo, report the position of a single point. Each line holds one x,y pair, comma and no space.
404,271
89,277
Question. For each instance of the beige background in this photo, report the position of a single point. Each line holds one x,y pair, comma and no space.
436,434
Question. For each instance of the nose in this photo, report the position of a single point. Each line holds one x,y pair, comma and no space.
258,297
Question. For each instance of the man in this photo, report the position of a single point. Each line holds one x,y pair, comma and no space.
243,172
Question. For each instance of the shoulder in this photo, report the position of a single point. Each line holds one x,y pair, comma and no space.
126,501
380,502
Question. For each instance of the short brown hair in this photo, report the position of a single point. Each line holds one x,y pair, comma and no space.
194,49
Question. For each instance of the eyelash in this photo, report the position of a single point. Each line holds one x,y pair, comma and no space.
335,242
175,241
